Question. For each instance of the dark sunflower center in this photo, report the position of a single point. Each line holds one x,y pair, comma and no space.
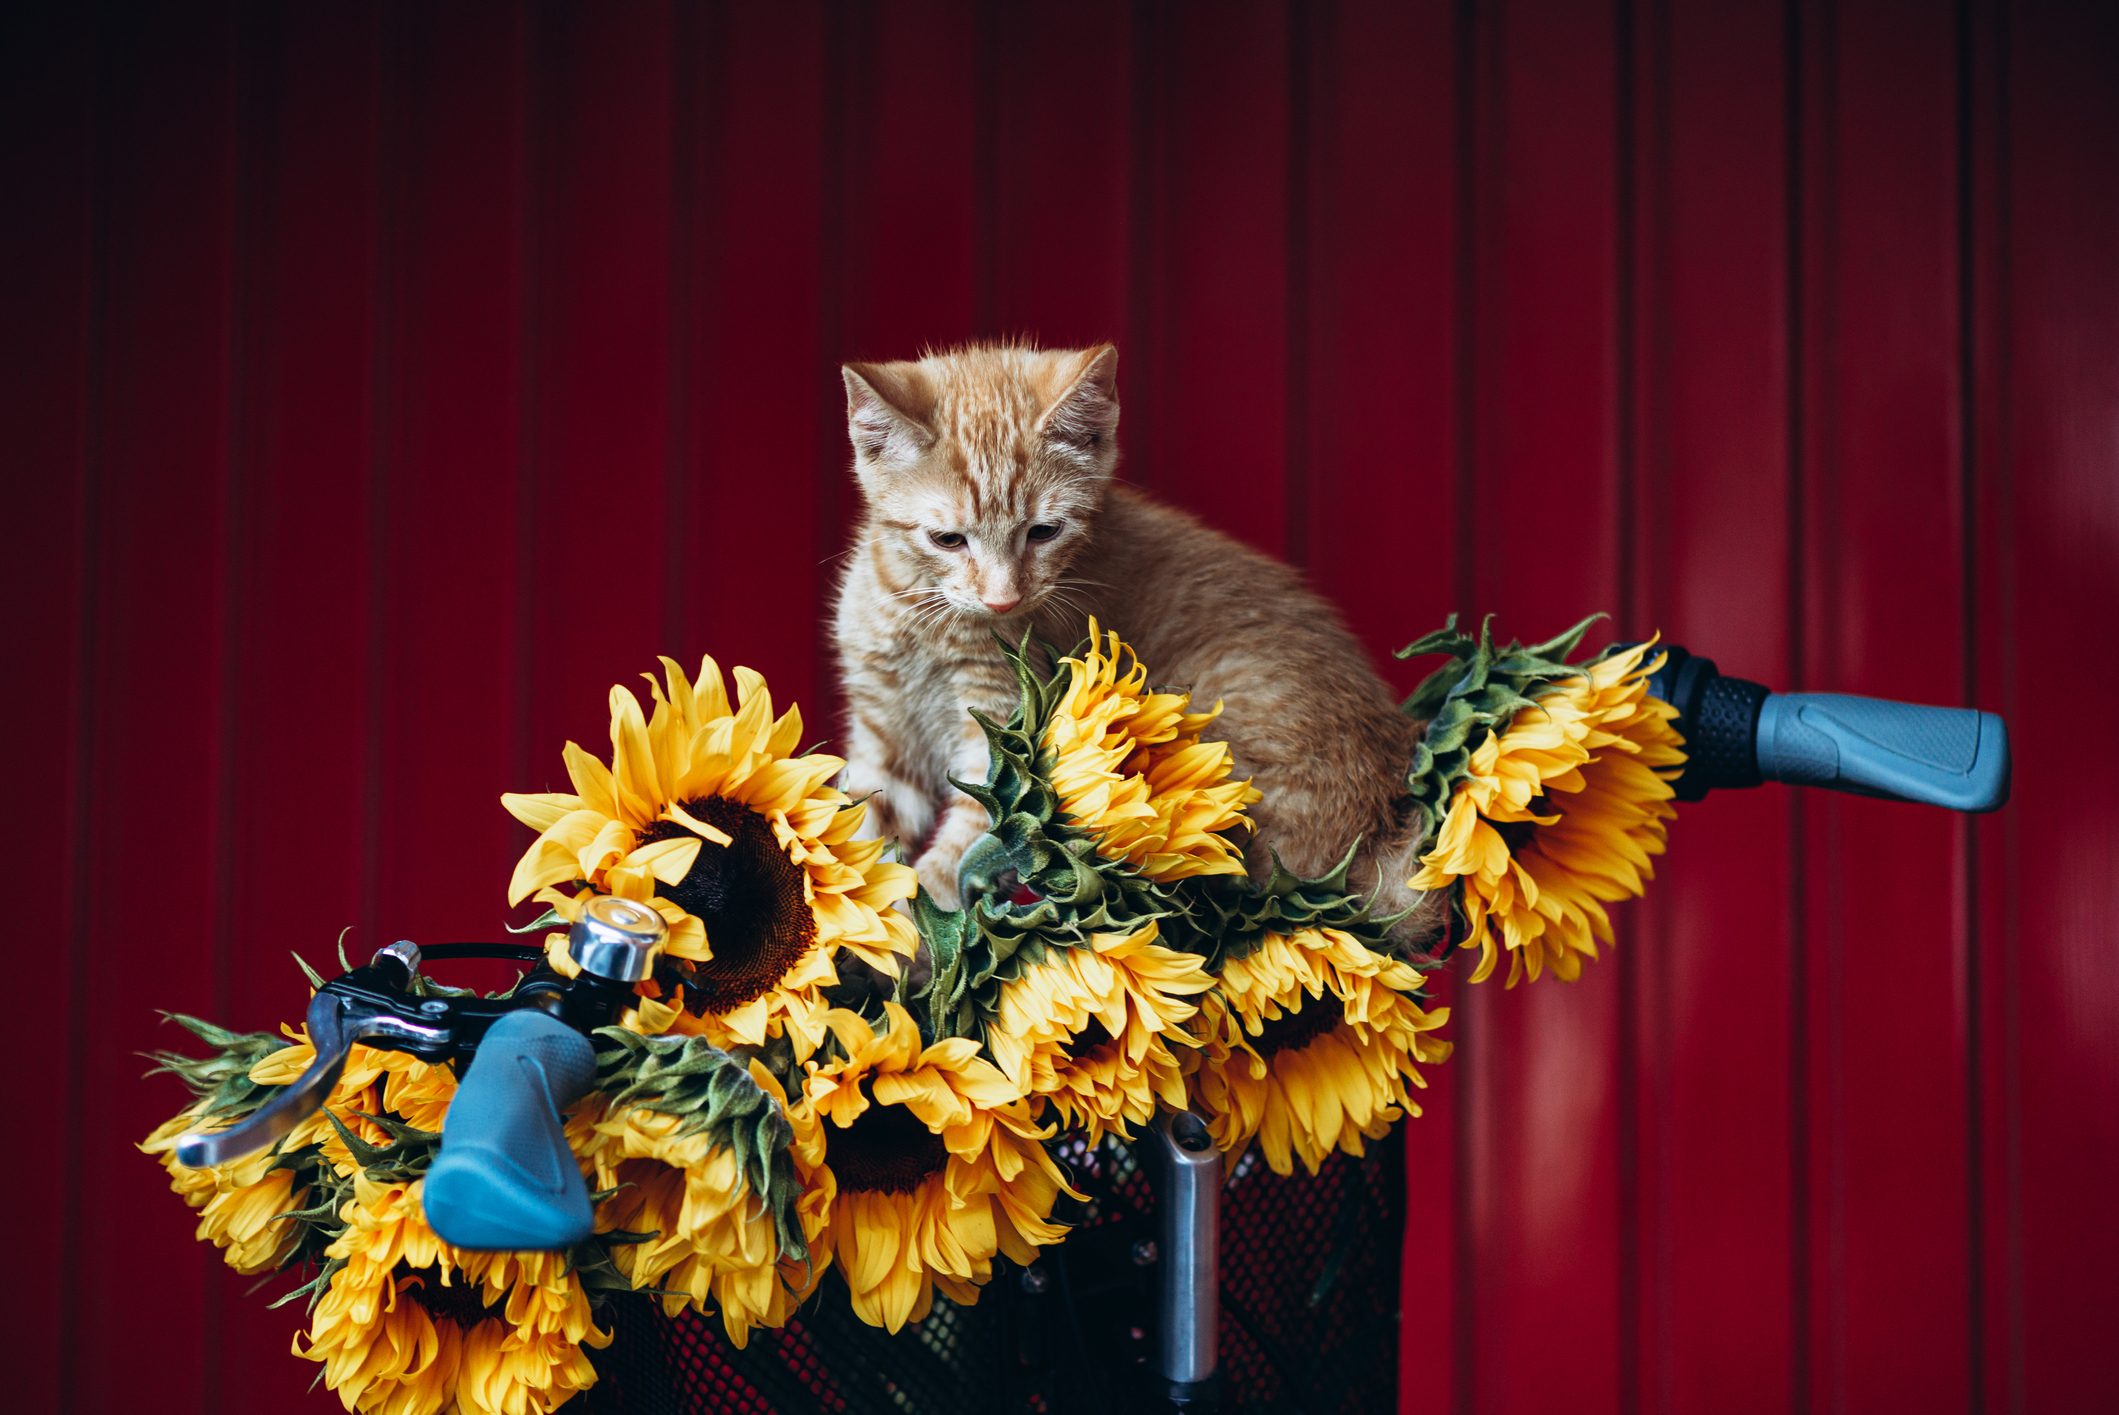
1087,1040
888,1148
1517,834
461,1302
1296,1030
749,896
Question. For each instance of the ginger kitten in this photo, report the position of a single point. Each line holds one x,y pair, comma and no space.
987,474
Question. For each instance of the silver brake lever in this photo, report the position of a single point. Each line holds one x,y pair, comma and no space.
336,1023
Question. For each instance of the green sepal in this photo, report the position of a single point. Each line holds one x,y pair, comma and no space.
1474,693
1233,916
1051,855
402,1158
1080,891
711,1091
220,1080
978,950
312,1289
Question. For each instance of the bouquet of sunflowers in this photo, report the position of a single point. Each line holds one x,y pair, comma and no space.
827,1076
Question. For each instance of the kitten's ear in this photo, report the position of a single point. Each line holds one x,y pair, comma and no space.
1084,417
887,406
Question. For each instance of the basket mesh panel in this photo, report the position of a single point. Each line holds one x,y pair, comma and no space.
1309,1316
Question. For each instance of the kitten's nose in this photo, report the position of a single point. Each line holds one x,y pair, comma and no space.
1001,606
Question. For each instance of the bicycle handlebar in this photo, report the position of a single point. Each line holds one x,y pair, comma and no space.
504,1178
1739,733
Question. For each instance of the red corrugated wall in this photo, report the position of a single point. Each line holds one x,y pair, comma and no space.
382,382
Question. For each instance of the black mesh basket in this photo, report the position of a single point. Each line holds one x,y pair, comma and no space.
1309,1316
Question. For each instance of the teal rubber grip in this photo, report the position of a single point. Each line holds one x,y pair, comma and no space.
1957,758
505,1180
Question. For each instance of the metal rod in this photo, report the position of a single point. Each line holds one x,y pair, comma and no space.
1190,1172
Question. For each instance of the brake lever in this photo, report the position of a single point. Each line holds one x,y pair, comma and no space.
357,1007
502,1177
372,1003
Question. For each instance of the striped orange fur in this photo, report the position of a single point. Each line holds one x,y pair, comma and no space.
991,505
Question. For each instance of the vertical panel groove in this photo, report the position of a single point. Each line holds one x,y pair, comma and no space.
540,102
392,152
986,167
1794,611
1820,661
1625,549
1143,244
100,161
1302,133
2006,658
694,51
1968,905
255,57
831,261
1467,71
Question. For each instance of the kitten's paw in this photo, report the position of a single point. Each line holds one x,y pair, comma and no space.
937,869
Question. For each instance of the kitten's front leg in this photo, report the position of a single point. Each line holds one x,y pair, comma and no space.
898,809
963,820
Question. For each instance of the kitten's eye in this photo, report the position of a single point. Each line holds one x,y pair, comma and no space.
1046,530
948,540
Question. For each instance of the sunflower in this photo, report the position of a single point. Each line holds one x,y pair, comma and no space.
373,1081
1090,1030
243,1205
930,1166
1560,813
711,1241
1129,767
706,813
406,1325
1313,1044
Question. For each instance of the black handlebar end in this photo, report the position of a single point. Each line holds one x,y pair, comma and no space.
1720,721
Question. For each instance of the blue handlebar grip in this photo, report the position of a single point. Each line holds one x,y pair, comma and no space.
1952,757
505,1180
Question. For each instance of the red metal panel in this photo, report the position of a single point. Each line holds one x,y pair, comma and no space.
597,465
1995,978
2049,1009
1710,947
1885,1014
46,124
294,862
1059,173
1379,321
155,696
453,374
762,422
1543,1061
907,94
902,97
1215,434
